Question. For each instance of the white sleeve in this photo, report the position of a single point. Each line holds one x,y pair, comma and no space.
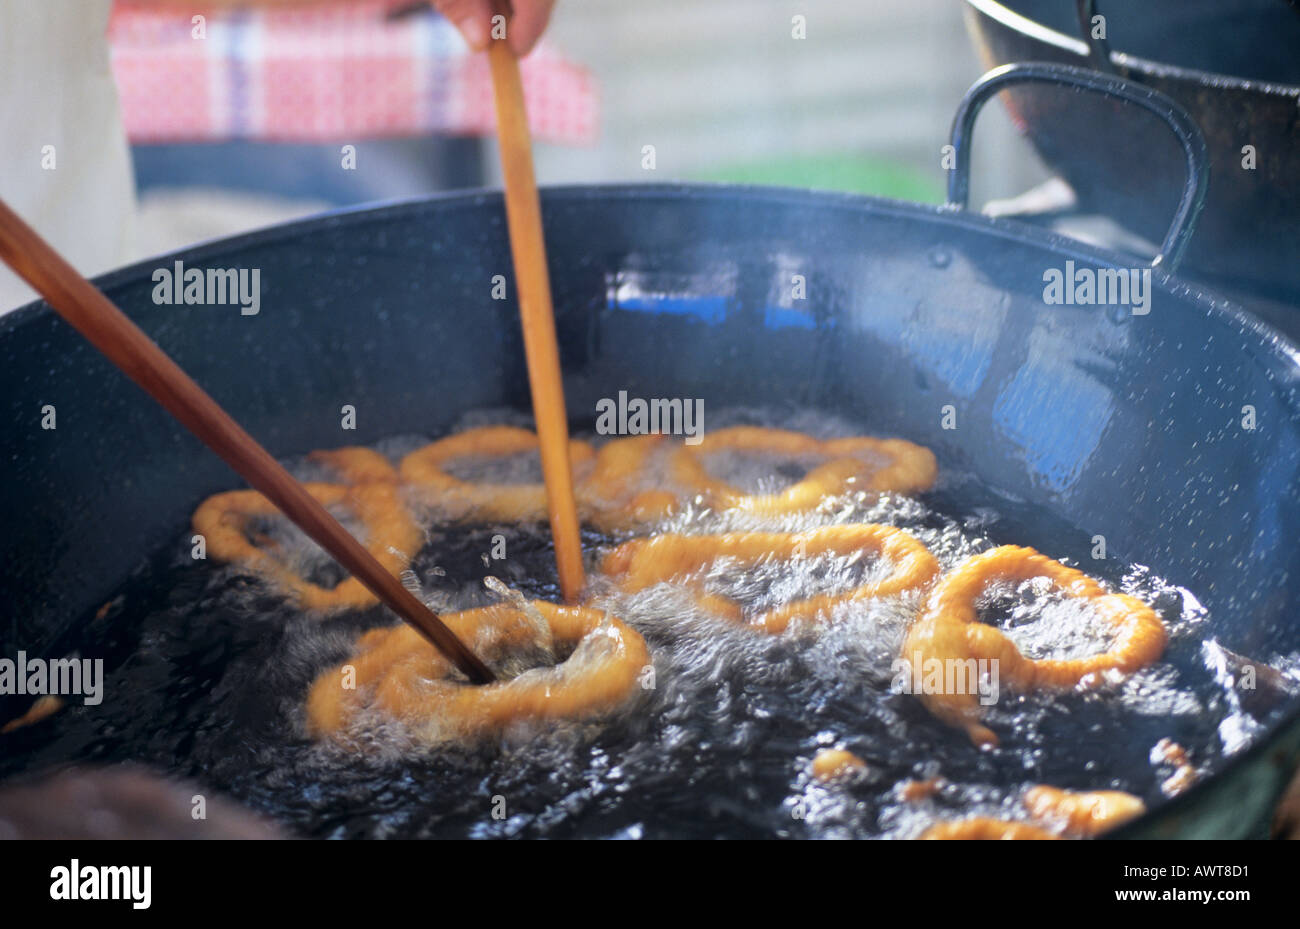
64,162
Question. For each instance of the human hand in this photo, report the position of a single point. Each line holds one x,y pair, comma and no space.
474,20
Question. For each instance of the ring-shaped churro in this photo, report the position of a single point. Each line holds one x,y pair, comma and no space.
426,467
642,563
857,463
374,498
356,465
398,676
948,630
620,491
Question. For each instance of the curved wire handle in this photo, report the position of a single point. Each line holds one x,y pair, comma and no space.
1098,46
1174,116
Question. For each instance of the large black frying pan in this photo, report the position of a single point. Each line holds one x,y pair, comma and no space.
1125,426
1234,65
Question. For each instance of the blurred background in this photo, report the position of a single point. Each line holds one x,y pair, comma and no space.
722,90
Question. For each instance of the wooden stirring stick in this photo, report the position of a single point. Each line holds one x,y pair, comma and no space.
107,328
524,218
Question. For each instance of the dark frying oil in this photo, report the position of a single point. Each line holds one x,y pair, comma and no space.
206,669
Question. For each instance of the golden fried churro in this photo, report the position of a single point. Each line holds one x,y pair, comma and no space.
984,828
1082,813
834,763
622,490
948,630
642,563
395,675
392,536
426,468
860,463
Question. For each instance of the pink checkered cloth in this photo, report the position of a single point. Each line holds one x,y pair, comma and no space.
334,72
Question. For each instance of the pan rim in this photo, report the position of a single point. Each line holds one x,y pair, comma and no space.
1007,228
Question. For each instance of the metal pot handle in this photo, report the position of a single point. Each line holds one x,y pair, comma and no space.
1098,48
1189,135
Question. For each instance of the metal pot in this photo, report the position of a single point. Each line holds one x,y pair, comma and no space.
1127,426
1231,65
